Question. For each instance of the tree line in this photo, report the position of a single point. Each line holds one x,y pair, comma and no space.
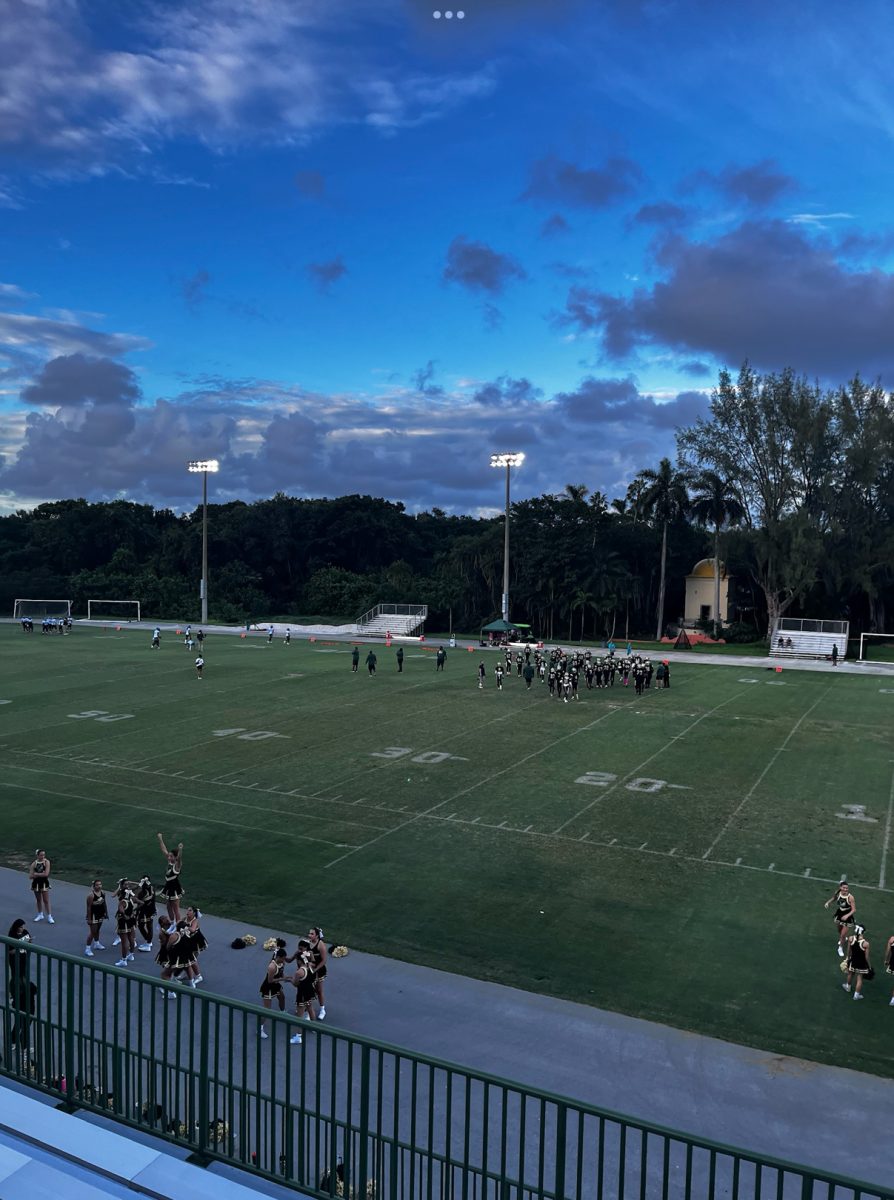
789,484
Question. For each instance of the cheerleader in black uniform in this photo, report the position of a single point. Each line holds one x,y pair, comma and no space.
303,982
858,961
126,921
845,908
39,874
180,953
146,910
97,912
271,985
172,889
889,962
197,942
166,943
319,954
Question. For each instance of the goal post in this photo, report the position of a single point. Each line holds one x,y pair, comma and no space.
41,608
112,610
877,647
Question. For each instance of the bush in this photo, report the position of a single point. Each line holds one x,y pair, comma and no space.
740,631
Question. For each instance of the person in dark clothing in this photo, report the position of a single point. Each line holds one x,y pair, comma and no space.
858,963
22,992
400,660
371,661
667,675
441,658
355,659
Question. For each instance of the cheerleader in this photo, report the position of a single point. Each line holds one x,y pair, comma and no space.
166,943
97,912
889,962
126,922
319,955
180,954
845,908
303,982
271,985
172,888
196,943
39,874
858,961
146,910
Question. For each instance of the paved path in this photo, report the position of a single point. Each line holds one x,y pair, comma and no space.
784,1107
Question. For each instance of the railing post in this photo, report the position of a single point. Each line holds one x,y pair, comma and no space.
69,1026
364,1121
561,1137
204,1039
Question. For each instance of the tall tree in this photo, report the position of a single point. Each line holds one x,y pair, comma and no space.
664,499
774,435
715,503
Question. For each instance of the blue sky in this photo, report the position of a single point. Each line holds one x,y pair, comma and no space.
346,246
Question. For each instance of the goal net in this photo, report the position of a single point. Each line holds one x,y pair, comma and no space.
41,608
877,647
113,610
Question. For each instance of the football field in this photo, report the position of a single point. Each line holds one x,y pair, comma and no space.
666,855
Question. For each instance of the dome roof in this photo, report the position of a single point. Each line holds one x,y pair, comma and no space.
704,569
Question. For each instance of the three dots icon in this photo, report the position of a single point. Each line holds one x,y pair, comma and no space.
448,15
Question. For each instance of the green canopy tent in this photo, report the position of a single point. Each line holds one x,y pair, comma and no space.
508,627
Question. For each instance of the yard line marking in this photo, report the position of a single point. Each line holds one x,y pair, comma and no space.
147,808
201,799
887,842
800,721
481,783
631,774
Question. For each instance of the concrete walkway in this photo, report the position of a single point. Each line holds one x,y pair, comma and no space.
783,1107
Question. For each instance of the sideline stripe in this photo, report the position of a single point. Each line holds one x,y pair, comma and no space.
763,773
882,872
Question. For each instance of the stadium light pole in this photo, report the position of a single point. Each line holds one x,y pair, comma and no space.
508,461
203,466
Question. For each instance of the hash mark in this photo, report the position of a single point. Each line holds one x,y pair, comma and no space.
771,866
643,846
612,842
737,862
807,873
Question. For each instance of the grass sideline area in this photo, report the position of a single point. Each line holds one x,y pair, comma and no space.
666,856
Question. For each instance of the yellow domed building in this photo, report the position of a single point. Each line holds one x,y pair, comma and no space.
699,603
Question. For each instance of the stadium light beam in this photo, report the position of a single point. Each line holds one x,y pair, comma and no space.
507,460
203,466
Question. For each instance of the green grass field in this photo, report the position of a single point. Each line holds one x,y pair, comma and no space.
667,856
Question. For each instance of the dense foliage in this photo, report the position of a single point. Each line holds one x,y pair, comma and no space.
793,487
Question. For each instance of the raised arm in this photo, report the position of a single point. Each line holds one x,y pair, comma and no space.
164,848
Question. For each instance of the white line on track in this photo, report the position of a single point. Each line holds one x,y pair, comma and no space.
630,774
797,725
887,842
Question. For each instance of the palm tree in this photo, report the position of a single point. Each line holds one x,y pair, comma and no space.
715,502
665,499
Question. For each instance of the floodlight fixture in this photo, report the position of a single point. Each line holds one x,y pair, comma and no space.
507,459
204,465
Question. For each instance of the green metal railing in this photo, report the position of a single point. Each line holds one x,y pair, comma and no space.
341,1115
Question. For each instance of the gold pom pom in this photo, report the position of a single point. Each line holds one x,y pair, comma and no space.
339,952
271,943
249,939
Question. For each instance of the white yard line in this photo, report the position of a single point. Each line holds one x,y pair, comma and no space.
597,799
481,782
800,721
887,842
167,812
167,792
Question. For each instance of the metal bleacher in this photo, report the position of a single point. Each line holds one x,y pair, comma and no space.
400,620
809,639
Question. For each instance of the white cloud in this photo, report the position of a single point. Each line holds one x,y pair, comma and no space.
221,72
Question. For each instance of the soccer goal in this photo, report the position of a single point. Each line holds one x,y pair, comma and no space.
113,610
877,647
41,608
